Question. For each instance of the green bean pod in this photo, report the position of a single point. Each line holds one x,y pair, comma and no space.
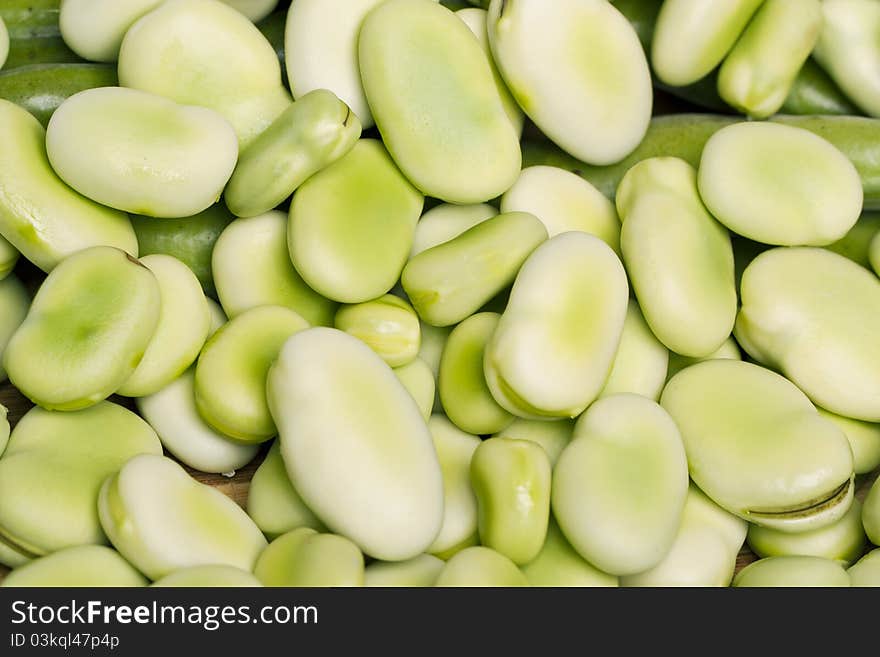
41,88
685,135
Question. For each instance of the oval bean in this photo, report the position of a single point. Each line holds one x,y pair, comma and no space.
432,94
779,184
758,73
618,527
555,343
796,571
230,379
183,326
70,455
208,576
305,558
758,448
312,133
86,331
39,214
141,153
14,304
563,202
251,267
464,394
94,28
511,479
679,259
202,52
843,541
455,450
162,520
355,444
80,566
388,325
814,315
599,68
452,280
172,412
351,225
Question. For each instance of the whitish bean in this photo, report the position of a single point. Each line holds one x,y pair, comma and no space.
445,222
14,304
305,558
70,455
93,29
555,344
704,550
39,214
558,564
480,566
452,280
758,73
4,42
273,503
218,317
511,479
679,259
388,325
848,49
202,52
864,440
814,316
757,446
184,323
255,10
355,445
141,153
692,37
843,541
208,576
563,201
552,435
454,449
418,379
352,224
641,361
172,412
418,571
779,184
251,267
320,46
432,94
598,67
86,331
619,527
80,566
464,394
431,351
8,257
162,520
871,513
728,350
312,133
475,18
866,571
798,571
4,428
230,380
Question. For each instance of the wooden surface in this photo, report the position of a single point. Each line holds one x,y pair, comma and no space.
236,487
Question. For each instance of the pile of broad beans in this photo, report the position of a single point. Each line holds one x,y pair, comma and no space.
485,310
